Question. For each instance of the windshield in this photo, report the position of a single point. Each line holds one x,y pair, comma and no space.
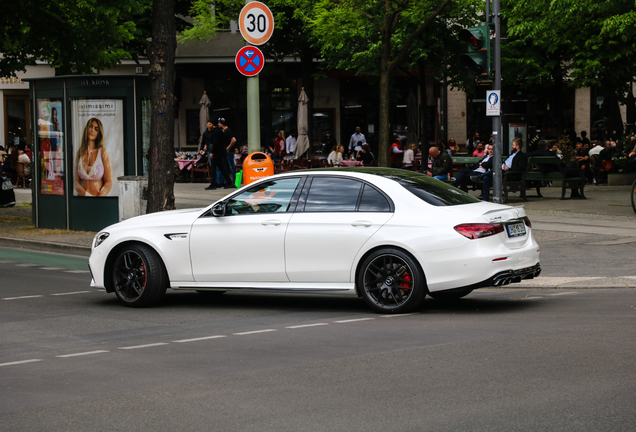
426,188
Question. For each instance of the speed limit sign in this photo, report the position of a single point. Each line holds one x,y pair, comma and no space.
256,23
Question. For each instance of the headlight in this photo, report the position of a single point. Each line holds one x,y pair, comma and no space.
99,239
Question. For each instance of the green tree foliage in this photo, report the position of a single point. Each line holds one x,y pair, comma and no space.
589,43
376,37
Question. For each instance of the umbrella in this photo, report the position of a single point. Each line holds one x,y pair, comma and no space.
302,144
204,115
411,118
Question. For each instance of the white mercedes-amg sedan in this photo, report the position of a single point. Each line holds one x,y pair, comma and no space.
389,236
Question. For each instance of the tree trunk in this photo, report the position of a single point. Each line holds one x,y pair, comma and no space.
161,53
558,102
385,96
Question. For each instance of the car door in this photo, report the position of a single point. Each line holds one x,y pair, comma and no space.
333,220
247,243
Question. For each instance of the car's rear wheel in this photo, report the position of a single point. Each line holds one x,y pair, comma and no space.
450,295
139,277
390,281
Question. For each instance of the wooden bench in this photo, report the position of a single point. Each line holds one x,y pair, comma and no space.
573,178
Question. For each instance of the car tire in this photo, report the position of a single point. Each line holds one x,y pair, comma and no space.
139,277
390,281
450,295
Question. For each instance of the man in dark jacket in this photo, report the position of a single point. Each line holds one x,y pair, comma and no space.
442,164
479,169
514,165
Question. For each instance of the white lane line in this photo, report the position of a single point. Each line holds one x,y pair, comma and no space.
82,353
531,298
307,325
70,293
51,268
6,261
20,362
143,346
254,332
396,315
200,339
353,320
22,297
564,293
27,265
77,271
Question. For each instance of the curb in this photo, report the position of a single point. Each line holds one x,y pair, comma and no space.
44,246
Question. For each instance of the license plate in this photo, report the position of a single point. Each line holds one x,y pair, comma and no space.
516,229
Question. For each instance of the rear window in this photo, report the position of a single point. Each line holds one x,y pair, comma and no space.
426,188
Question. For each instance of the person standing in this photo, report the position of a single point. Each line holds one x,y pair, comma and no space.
218,156
357,139
229,141
291,143
207,140
471,143
396,153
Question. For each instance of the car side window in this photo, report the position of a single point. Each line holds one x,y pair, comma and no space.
373,201
270,197
333,194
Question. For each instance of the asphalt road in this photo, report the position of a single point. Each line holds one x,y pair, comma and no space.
72,358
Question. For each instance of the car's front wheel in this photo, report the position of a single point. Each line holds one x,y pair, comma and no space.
390,281
139,277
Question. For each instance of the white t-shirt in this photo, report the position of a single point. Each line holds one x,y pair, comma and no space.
290,144
334,159
596,150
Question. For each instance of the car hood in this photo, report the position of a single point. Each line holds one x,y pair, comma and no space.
160,218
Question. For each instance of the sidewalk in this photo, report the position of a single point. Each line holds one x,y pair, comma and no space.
607,212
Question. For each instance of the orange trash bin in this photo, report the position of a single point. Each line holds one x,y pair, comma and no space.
256,166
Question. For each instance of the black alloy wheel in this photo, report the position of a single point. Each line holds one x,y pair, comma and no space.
139,277
390,281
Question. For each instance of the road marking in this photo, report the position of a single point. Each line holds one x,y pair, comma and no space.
564,293
77,271
51,268
254,332
143,346
27,265
353,320
20,362
82,353
396,315
307,325
200,339
22,297
6,261
70,293
531,298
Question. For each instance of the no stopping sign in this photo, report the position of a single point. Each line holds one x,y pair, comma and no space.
256,23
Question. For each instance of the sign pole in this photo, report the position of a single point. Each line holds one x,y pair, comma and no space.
253,115
496,120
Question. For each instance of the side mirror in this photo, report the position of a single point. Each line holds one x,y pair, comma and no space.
218,210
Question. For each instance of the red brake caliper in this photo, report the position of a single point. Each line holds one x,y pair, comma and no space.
143,266
407,283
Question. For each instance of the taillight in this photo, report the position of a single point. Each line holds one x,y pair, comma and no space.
526,220
478,230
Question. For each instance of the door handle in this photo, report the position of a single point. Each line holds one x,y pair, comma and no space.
270,222
363,223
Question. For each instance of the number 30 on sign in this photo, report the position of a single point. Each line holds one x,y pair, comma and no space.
256,23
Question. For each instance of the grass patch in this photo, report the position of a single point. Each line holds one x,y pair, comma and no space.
32,230
14,219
